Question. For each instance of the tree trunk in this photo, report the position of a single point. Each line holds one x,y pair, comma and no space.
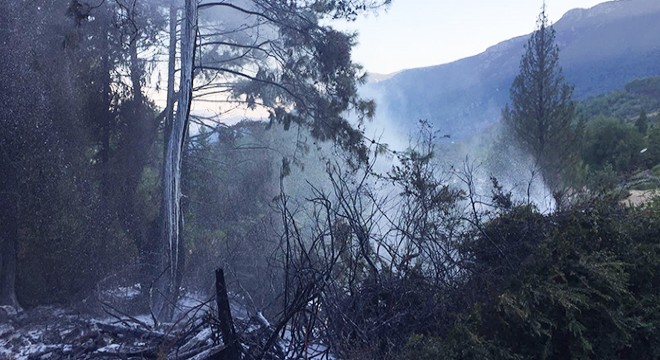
171,69
151,252
106,116
172,257
8,248
136,73
229,338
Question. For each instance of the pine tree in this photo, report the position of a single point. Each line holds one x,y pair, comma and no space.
541,117
642,123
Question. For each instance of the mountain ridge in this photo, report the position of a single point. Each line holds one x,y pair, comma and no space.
601,49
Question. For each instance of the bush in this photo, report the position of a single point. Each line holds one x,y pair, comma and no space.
656,170
586,292
611,142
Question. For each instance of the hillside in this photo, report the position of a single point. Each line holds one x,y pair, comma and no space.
642,95
602,49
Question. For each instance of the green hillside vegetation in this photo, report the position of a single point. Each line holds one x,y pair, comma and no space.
621,145
638,96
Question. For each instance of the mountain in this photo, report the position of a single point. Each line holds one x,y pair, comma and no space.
601,49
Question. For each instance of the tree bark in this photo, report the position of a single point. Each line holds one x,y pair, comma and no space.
136,72
106,116
8,248
171,68
172,217
151,252
232,347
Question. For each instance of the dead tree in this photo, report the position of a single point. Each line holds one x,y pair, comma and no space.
168,289
8,247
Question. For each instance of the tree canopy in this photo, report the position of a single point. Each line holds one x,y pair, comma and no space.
541,117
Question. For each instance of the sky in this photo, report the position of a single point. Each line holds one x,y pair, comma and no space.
417,33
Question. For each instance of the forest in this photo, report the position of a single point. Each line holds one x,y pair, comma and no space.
195,180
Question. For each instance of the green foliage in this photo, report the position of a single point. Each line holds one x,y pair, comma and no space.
614,143
229,181
621,138
541,117
649,87
638,96
588,290
656,170
499,247
427,207
642,123
470,347
76,146
652,154
81,145
643,259
600,180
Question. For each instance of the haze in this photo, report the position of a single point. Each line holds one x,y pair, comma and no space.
416,33
206,179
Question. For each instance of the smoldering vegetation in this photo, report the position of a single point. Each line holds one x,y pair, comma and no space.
338,238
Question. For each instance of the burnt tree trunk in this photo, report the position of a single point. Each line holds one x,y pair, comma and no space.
171,69
8,248
231,350
150,251
167,291
232,347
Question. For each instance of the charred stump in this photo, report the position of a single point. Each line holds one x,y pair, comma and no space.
226,322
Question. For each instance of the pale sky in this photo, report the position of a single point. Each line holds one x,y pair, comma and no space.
416,33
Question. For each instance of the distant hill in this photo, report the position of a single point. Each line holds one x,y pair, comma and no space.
375,77
642,95
602,49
